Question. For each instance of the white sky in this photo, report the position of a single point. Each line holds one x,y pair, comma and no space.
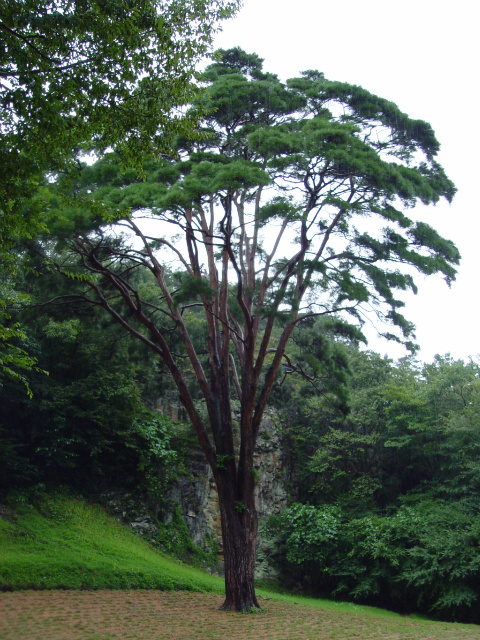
423,55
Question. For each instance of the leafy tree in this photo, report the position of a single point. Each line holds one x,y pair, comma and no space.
14,360
77,75
391,489
410,427
451,391
292,207
424,556
87,425
81,74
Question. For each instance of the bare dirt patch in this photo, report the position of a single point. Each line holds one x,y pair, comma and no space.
153,615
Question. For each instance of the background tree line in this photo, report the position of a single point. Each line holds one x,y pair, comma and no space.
386,506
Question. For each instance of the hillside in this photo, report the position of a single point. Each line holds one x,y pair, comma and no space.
66,543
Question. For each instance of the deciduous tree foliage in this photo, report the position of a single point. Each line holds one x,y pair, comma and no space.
390,512
296,205
410,428
86,426
77,75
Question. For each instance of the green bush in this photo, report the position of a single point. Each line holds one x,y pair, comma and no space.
174,538
425,556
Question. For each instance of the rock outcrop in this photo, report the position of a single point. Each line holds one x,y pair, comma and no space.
197,495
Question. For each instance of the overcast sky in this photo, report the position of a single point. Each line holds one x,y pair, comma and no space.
423,55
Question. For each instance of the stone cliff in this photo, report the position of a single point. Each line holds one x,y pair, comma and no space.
197,496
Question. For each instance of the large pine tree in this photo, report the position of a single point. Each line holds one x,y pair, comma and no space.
294,205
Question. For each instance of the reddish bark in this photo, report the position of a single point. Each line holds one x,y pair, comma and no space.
239,533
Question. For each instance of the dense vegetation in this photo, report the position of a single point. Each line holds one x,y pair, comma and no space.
387,507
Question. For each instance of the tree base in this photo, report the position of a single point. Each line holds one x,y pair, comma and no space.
253,607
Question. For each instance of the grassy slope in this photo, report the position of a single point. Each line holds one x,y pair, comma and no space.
70,544
65,543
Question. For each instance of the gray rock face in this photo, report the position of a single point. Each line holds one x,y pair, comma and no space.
198,499
171,408
271,496
129,509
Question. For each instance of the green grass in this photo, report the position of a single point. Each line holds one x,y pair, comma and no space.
69,544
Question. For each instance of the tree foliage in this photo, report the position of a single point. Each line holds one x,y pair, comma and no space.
89,424
388,495
82,75
85,75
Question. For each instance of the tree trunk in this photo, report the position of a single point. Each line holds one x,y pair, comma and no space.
239,533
